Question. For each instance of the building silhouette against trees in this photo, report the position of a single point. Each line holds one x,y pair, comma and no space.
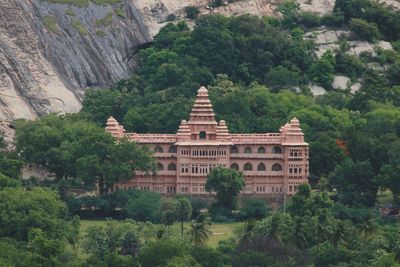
272,163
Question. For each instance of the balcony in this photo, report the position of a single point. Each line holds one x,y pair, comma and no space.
262,173
256,138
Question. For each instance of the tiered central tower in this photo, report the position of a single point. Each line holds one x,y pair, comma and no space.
202,122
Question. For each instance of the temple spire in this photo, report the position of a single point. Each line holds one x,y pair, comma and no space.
202,111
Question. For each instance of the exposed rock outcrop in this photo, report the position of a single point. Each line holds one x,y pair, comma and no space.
50,53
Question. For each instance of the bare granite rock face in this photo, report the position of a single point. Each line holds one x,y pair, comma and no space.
50,53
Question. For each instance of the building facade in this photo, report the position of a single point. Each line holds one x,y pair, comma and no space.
272,163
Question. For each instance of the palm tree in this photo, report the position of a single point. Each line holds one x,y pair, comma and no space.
274,228
368,226
200,229
338,236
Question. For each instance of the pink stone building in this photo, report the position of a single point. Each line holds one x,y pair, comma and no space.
272,163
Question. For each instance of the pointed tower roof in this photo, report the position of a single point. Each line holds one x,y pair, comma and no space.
293,133
222,131
202,111
114,128
183,131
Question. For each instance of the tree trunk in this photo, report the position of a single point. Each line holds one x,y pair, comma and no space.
102,189
181,227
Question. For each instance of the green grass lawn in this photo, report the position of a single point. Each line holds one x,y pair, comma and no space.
220,231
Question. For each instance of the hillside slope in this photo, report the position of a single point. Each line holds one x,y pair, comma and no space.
49,53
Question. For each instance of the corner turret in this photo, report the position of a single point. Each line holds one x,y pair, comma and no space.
183,132
223,132
292,133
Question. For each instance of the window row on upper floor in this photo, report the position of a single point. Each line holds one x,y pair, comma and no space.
196,168
260,167
260,150
159,149
233,150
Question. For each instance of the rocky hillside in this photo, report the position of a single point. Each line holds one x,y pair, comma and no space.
51,52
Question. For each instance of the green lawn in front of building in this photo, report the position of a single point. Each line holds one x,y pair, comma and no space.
220,231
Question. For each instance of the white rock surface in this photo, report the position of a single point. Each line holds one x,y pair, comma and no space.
385,45
317,90
357,47
395,4
317,6
355,87
326,40
7,132
341,82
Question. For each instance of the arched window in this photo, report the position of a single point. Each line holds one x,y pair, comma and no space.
261,167
234,150
172,149
235,167
160,167
172,167
248,150
248,167
261,150
202,135
158,149
276,167
277,150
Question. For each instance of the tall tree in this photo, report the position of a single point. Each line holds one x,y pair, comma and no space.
200,229
390,174
169,213
227,184
355,183
183,210
72,147
23,210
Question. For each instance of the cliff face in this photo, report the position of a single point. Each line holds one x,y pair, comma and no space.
50,53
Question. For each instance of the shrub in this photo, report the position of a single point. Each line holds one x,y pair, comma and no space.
120,13
79,27
70,12
216,3
322,72
106,21
349,65
50,22
281,77
335,19
253,208
100,33
309,19
192,12
171,17
220,214
197,205
365,30
145,207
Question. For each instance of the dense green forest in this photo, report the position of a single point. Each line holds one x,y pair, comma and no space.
258,71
